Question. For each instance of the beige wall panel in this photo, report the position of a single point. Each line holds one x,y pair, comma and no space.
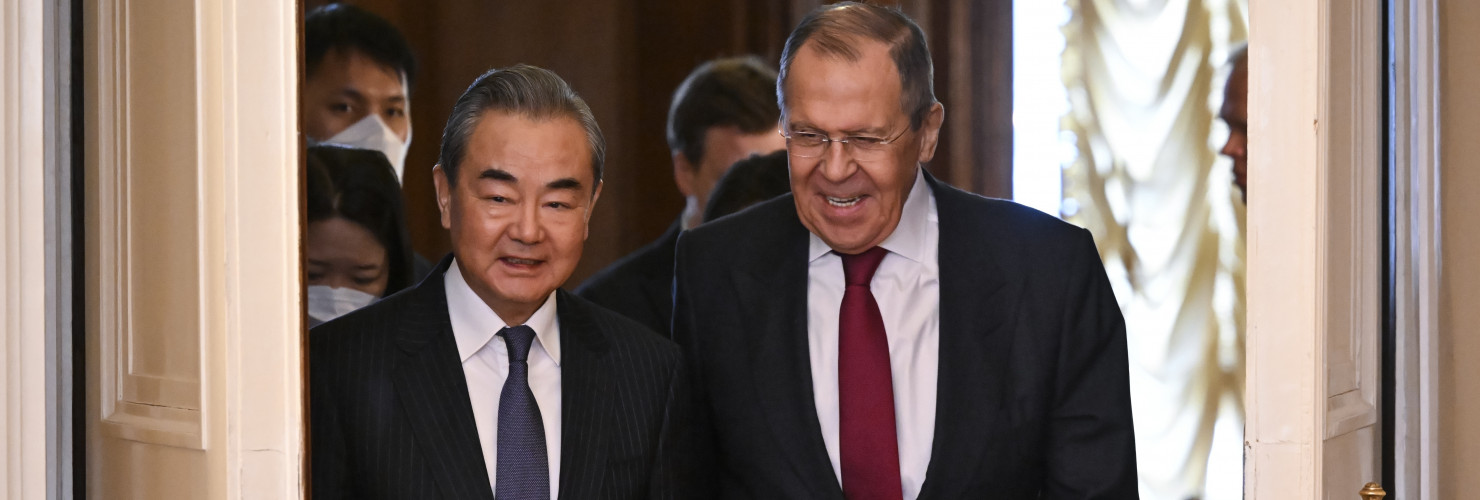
1459,302
1352,116
160,346
149,215
1343,483
194,328
183,478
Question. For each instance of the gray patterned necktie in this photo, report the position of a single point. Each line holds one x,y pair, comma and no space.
523,469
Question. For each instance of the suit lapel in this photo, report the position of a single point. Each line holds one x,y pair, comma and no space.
976,311
433,392
779,355
586,399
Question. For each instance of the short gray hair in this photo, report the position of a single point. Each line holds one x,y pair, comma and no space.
529,91
833,28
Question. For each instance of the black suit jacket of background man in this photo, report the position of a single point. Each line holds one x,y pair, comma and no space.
640,285
1033,391
391,418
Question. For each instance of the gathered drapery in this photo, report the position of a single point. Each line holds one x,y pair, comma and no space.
1145,79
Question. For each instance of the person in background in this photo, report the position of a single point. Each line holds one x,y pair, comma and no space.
355,249
357,82
486,380
878,334
750,181
723,112
1235,113
357,87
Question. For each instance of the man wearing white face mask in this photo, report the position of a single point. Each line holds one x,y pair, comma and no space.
359,75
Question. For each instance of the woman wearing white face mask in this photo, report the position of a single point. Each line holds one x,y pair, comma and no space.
357,250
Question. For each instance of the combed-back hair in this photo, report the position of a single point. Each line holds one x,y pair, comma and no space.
835,29
734,92
750,181
360,186
522,90
346,27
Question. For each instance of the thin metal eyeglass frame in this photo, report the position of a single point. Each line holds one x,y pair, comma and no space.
828,141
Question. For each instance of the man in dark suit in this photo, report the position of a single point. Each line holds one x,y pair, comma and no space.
723,112
486,378
880,335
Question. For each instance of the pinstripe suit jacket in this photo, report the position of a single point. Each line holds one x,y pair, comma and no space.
391,418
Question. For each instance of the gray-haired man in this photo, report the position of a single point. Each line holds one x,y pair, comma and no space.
486,378
881,335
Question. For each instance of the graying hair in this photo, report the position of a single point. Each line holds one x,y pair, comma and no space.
834,28
529,91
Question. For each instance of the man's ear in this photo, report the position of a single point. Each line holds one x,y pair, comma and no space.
444,195
595,195
684,173
930,131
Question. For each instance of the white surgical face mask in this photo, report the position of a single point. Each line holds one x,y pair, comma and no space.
326,303
372,133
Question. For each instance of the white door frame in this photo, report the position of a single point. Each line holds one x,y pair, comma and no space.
25,291
251,377
211,126
1314,272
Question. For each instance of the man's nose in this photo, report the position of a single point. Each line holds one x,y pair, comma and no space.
527,227
1235,145
837,165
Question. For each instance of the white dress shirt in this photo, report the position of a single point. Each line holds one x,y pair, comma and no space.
907,288
485,362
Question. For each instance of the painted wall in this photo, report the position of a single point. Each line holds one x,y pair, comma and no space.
1459,316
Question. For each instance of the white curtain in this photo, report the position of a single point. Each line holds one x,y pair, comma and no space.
1144,79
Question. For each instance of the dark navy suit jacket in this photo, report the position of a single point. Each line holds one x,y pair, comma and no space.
1033,397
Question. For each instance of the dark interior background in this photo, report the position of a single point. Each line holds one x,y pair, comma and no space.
625,57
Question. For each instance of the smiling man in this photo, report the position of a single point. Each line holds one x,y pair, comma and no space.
486,378
880,335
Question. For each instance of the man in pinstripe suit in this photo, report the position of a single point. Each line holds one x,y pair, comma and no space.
486,379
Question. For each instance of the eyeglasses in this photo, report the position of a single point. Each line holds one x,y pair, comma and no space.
814,144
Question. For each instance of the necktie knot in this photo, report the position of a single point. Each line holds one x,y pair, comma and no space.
858,270
518,339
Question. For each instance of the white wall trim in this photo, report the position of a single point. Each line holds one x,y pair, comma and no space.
1417,259
248,58
1314,253
1285,375
23,365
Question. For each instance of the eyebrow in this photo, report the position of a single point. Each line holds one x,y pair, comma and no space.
567,183
353,93
495,174
808,127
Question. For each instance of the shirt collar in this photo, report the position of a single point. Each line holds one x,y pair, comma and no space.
474,324
908,239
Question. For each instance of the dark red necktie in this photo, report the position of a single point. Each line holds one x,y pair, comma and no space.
868,442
